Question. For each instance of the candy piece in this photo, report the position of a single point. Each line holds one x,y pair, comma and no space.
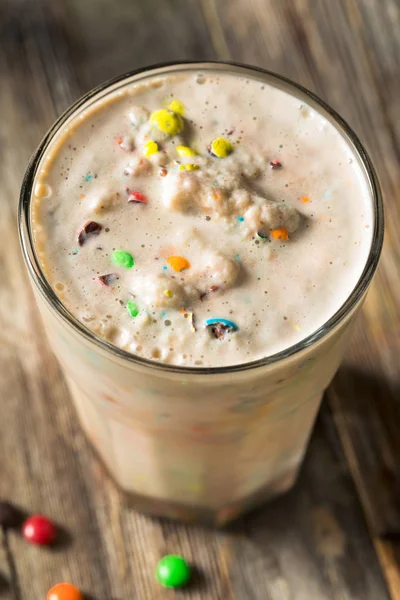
168,293
185,151
220,327
39,530
305,199
64,591
89,177
177,107
138,198
173,571
241,219
163,172
262,235
167,121
123,259
9,515
107,279
280,234
186,167
213,288
132,308
150,148
220,147
275,164
178,263
90,229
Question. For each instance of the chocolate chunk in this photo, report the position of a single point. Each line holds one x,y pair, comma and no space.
90,229
107,279
213,288
219,330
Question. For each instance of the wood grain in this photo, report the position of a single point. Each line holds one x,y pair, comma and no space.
313,543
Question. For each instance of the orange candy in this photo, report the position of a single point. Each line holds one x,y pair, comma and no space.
280,234
305,199
64,591
178,263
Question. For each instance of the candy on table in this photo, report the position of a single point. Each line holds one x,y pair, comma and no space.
121,258
178,263
167,121
173,571
38,529
220,147
280,234
64,591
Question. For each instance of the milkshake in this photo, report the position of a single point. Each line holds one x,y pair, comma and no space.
200,234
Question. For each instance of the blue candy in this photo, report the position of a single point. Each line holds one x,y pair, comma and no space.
225,322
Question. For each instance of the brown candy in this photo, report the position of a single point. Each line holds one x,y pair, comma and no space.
90,229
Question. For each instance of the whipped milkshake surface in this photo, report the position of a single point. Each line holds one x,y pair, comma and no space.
201,219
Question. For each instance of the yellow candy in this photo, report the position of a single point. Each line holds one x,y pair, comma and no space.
185,151
178,263
167,121
150,148
177,107
221,147
188,167
168,293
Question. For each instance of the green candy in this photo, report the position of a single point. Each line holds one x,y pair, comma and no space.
132,308
173,571
123,259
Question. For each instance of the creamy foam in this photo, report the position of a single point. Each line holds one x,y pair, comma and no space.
289,169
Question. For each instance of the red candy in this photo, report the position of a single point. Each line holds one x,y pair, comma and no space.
39,530
137,197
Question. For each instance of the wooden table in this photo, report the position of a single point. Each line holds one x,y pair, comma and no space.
336,535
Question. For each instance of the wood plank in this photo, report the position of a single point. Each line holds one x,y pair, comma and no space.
347,60
311,544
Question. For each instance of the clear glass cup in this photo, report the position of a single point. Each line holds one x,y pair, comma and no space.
197,444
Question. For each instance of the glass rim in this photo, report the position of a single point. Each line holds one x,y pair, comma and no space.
35,270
